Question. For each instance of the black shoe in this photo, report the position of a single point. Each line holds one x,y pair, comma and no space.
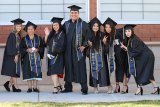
29,90
117,90
66,91
35,90
157,91
140,92
6,86
84,91
15,90
59,88
124,92
56,91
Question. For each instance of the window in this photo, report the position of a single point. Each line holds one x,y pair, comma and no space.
39,9
129,10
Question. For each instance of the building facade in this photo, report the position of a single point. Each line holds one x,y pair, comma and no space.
145,13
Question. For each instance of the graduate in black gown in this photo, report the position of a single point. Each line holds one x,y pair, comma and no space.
115,54
32,51
141,60
54,41
77,32
11,61
99,73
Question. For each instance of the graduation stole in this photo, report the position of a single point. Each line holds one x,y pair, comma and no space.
18,64
96,61
111,56
52,61
131,62
78,36
34,58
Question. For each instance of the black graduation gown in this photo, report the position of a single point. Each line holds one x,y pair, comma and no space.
26,69
75,71
121,59
144,60
9,66
103,74
58,66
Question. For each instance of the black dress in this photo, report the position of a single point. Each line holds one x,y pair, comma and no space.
119,56
11,50
103,77
75,71
144,60
28,74
55,46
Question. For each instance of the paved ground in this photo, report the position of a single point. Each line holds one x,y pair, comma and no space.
46,95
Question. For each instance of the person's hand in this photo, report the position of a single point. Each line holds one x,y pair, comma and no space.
105,39
29,50
46,31
16,59
36,50
123,46
90,43
81,48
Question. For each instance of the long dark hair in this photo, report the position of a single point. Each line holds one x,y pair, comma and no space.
111,35
60,28
20,33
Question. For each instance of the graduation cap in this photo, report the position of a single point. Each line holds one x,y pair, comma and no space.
110,22
29,24
56,19
18,21
129,26
74,8
95,20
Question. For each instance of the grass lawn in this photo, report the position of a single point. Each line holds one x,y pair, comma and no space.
155,103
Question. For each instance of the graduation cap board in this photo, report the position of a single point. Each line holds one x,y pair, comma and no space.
74,8
110,22
95,20
18,21
129,26
29,24
56,19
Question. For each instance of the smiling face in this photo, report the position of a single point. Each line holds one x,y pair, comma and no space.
108,28
74,15
95,27
30,30
128,33
55,26
18,27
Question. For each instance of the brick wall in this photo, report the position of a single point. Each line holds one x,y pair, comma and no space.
148,33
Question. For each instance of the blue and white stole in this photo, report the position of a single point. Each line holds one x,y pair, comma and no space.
131,63
54,42
111,59
78,36
18,64
34,58
96,61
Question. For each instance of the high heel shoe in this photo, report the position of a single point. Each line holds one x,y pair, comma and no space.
14,89
117,90
6,86
124,92
140,92
157,91
56,91
59,88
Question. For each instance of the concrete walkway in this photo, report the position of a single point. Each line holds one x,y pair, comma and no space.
46,95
